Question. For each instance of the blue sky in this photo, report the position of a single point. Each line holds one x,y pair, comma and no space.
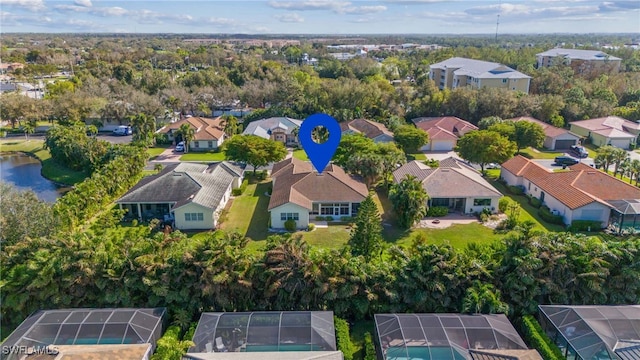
321,16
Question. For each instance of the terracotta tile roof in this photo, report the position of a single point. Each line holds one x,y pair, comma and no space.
437,133
451,124
370,129
206,128
549,130
451,179
295,181
579,186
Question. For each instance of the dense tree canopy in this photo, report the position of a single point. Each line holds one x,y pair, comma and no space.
485,146
254,150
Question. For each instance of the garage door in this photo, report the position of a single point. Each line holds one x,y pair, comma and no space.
564,144
442,146
623,144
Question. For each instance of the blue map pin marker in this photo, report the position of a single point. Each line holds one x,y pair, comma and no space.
320,154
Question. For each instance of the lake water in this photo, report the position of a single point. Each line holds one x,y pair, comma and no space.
24,172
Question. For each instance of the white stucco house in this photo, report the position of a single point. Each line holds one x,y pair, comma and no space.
209,133
301,193
581,193
189,195
443,131
610,130
555,138
453,184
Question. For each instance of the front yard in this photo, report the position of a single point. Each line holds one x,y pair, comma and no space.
203,156
532,153
300,155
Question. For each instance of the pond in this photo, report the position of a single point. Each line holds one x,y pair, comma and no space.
23,172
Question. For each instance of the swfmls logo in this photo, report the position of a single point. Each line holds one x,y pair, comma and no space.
29,350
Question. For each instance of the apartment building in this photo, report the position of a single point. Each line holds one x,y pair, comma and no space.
461,72
580,60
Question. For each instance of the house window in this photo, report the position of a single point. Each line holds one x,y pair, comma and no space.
344,209
542,196
315,208
504,81
147,207
481,202
193,217
289,216
210,144
196,144
354,208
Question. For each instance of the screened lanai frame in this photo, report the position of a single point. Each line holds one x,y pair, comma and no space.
594,332
442,336
265,331
88,327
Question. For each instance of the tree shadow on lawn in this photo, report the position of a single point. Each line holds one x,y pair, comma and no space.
259,225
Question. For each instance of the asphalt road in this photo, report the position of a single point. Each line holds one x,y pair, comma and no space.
104,136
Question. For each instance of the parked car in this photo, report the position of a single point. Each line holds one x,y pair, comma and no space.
566,160
179,147
579,151
492,166
122,130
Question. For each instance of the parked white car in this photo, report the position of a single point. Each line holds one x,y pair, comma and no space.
179,147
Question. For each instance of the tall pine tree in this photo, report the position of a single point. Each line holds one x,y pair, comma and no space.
366,236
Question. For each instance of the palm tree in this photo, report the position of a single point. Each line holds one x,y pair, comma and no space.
634,170
230,125
29,127
188,133
618,156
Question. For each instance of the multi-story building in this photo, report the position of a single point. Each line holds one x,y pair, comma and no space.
461,72
580,60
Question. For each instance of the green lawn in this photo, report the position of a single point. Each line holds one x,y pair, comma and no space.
50,169
203,156
300,154
248,213
332,237
418,156
155,151
539,154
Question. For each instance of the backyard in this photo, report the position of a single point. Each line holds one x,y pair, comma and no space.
248,212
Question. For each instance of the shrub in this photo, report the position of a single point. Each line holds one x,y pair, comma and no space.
236,192
437,211
585,225
239,191
311,227
535,202
261,175
515,190
432,163
483,217
346,219
329,218
503,204
536,338
170,346
162,139
319,218
369,347
290,225
343,339
547,216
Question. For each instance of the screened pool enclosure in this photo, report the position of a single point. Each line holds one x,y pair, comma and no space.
265,332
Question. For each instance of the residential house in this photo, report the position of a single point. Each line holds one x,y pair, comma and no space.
282,129
266,335
461,72
124,333
593,331
10,67
580,193
449,336
580,60
373,130
453,184
300,192
209,133
610,130
555,138
444,132
191,195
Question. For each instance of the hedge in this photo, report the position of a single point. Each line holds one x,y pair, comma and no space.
239,191
537,339
170,347
515,190
535,202
585,225
369,347
438,211
343,339
290,225
547,216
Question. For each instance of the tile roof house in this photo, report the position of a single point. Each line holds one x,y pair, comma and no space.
555,138
443,131
461,72
452,184
190,194
373,130
581,193
300,192
579,60
281,129
209,133
610,130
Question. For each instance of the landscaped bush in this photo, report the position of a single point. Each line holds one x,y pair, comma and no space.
547,216
170,346
346,219
311,227
328,218
536,338
515,190
290,225
437,211
319,218
534,201
503,204
369,347
343,339
585,225
432,163
162,139
261,175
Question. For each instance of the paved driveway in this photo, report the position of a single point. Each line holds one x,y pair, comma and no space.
168,156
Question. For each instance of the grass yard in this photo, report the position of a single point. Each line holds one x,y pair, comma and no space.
203,156
248,213
155,151
332,237
50,169
418,156
300,155
531,153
